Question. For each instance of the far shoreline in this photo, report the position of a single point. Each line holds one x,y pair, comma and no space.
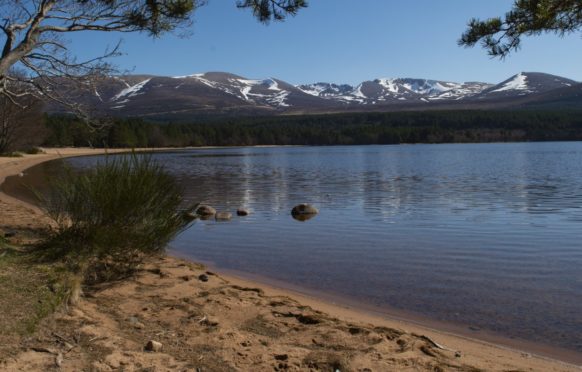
335,305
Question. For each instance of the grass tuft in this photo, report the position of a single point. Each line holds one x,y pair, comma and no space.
112,217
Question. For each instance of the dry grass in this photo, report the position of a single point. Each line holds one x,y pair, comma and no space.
28,293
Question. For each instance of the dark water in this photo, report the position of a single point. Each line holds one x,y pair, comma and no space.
482,235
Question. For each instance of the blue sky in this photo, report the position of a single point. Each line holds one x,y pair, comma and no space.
342,41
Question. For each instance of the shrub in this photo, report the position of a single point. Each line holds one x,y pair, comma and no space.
109,219
34,151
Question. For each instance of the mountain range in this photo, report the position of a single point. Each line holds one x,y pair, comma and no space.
219,93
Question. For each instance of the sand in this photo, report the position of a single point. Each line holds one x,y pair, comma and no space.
215,322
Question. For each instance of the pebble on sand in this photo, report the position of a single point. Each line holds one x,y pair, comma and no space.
154,346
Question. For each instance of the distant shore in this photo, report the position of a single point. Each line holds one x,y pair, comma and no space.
316,327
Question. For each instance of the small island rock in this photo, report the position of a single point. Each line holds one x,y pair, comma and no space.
205,210
304,209
242,212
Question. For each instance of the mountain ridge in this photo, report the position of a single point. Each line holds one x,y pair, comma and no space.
221,93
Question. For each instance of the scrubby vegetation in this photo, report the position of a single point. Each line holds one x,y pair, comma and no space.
109,219
340,129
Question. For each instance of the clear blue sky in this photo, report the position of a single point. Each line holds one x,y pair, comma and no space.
342,41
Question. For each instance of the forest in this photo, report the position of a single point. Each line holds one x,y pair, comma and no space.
336,129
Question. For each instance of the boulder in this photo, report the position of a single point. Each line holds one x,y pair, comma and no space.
304,209
242,212
304,212
205,210
223,216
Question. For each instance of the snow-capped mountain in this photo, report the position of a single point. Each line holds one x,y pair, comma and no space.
340,92
381,91
264,91
219,93
205,93
525,83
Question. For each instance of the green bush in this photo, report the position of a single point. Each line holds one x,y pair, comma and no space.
112,217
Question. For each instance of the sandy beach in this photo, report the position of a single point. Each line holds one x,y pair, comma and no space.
210,321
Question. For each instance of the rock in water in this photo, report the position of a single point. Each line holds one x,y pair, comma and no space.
242,212
303,217
304,209
304,212
223,216
189,216
154,346
205,210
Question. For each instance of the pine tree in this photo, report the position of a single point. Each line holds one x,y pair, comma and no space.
502,35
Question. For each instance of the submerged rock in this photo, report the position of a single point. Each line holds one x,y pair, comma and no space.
242,212
304,212
303,217
223,216
205,210
304,209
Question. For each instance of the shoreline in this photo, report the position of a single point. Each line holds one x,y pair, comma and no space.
481,349
352,308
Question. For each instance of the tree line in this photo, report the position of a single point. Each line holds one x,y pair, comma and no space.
337,129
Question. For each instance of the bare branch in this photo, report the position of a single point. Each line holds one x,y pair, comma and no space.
32,29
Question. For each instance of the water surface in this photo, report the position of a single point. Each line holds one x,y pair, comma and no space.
487,236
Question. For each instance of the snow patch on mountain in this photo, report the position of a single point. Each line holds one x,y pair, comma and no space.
519,82
389,84
358,92
316,89
261,91
279,99
188,76
428,87
461,91
335,92
131,90
200,78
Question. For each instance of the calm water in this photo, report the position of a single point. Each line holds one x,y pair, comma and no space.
483,235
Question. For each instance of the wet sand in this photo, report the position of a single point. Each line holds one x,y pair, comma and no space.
252,326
